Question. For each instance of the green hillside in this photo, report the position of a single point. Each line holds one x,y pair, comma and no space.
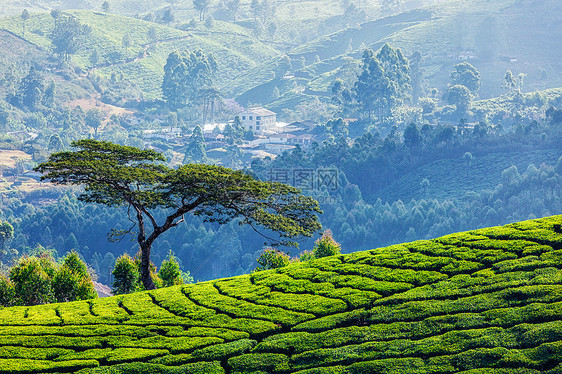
451,178
483,301
142,62
519,35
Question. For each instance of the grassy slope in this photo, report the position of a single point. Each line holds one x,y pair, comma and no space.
493,31
488,299
448,178
233,47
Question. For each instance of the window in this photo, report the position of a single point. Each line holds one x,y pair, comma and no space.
257,123
251,118
258,118
243,117
250,127
257,127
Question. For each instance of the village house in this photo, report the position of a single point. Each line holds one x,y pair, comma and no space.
258,120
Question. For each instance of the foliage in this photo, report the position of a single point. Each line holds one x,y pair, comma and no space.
466,75
170,272
384,81
68,36
126,276
32,278
326,246
72,281
185,74
459,96
117,175
429,316
195,151
35,280
272,258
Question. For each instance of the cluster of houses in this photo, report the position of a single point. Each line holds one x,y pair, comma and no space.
271,138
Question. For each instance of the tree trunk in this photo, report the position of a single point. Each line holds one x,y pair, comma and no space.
145,267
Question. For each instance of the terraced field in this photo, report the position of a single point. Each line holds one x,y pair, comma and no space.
484,301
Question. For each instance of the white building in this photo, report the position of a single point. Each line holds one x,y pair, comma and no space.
258,120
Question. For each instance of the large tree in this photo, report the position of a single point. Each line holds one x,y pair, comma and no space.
384,82
185,75
465,74
68,36
117,175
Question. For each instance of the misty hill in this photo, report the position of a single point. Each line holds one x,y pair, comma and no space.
142,61
487,300
517,35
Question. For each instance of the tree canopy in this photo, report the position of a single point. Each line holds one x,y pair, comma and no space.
465,74
185,74
384,81
117,175
68,36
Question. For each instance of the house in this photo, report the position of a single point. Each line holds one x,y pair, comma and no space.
258,120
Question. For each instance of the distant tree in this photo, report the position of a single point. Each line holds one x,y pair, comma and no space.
94,57
30,92
6,235
185,74
125,276
210,22
459,96
24,17
68,36
412,136
105,7
201,6
234,133
168,16
466,75
55,14
383,83
195,151
126,42
152,34
272,258
94,118
326,246
233,7
283,66
509,82
116,175
55,143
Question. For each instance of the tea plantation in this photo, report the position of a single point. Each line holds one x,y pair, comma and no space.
483,301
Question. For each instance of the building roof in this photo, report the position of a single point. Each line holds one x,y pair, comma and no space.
259,111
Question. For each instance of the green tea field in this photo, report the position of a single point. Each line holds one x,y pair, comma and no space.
483,301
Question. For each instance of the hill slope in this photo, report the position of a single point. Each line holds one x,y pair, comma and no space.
487,299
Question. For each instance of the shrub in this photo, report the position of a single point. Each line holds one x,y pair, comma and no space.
7,292
32,280
126,276
272,258
326,246
170,272
72,281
